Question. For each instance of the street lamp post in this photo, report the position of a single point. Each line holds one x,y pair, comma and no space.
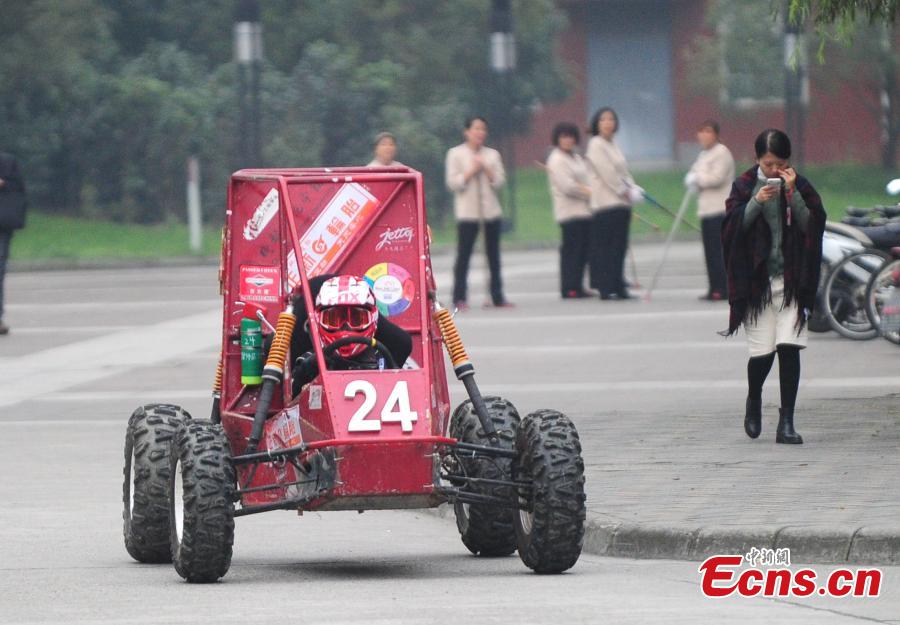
248,55
503,63
793,85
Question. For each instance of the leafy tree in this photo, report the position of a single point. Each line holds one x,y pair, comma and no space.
52,61
104,100
869,57
842,12
734,59
745,41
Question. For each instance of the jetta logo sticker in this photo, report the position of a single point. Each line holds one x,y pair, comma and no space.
394,237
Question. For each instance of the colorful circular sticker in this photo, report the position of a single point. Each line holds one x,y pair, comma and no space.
393,287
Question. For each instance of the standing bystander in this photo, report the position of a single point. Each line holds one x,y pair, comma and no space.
568,176
474,173
710,177
385,151
613,191
12,216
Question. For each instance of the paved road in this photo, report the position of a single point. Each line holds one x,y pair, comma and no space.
652,389
658,396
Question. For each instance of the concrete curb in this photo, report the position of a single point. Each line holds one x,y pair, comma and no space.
813,543
808,544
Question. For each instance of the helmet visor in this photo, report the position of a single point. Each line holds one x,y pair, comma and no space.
349,317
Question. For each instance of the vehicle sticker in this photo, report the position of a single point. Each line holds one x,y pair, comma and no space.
260,283
393,287
263,214
284,430
346,213
315,397
395,238
293,270
410,364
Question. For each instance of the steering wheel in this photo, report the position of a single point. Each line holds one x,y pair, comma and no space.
375,344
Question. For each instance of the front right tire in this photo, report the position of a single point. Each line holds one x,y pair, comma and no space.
550,529
201,502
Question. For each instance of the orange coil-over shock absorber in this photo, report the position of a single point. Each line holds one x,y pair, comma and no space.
452,340
280,344
273,374
217,384
465,371
214,415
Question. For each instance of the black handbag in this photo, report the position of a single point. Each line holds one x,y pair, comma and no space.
12,210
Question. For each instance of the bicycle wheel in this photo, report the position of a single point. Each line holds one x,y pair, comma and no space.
844,298
883,288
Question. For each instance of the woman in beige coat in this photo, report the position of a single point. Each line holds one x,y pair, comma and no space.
567,174
710,178
474,173
613,191
385,149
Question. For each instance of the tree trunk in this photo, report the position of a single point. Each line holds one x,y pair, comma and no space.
888,99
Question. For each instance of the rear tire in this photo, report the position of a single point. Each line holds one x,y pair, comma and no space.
201,502
487,530
882,287
844,297
551,533
148,440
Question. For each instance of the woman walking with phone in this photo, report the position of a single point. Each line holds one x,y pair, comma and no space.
772,239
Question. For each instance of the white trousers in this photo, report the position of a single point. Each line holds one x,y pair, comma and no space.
776,325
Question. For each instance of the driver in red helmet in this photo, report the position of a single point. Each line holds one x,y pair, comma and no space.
345,307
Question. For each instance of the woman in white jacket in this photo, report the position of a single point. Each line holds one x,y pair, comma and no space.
613,191
567,174
474,173
710,177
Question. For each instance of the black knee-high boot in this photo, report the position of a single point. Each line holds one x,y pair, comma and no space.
789,374
757,370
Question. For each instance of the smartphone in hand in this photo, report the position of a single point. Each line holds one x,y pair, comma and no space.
774,182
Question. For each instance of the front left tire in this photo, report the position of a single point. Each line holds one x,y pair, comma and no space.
148,439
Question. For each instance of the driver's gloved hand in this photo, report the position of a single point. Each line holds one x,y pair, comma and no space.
305,370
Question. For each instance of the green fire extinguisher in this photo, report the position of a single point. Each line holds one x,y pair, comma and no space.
251,351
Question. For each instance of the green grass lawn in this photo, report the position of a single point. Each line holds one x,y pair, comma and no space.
52,236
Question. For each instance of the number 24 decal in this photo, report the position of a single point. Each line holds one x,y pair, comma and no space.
396,408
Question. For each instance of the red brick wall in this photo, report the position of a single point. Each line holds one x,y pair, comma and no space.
839,128
839,125
572,47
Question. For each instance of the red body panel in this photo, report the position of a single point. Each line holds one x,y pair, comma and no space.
366,222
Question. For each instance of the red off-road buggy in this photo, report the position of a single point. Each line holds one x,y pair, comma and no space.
368,439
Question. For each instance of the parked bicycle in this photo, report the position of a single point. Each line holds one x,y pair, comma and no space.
859,276
883,299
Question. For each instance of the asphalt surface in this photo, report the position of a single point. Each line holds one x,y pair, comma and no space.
654,391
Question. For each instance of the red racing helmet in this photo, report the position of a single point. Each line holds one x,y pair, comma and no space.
345,306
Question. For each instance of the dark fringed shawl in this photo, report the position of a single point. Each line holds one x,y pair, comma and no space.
747,253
